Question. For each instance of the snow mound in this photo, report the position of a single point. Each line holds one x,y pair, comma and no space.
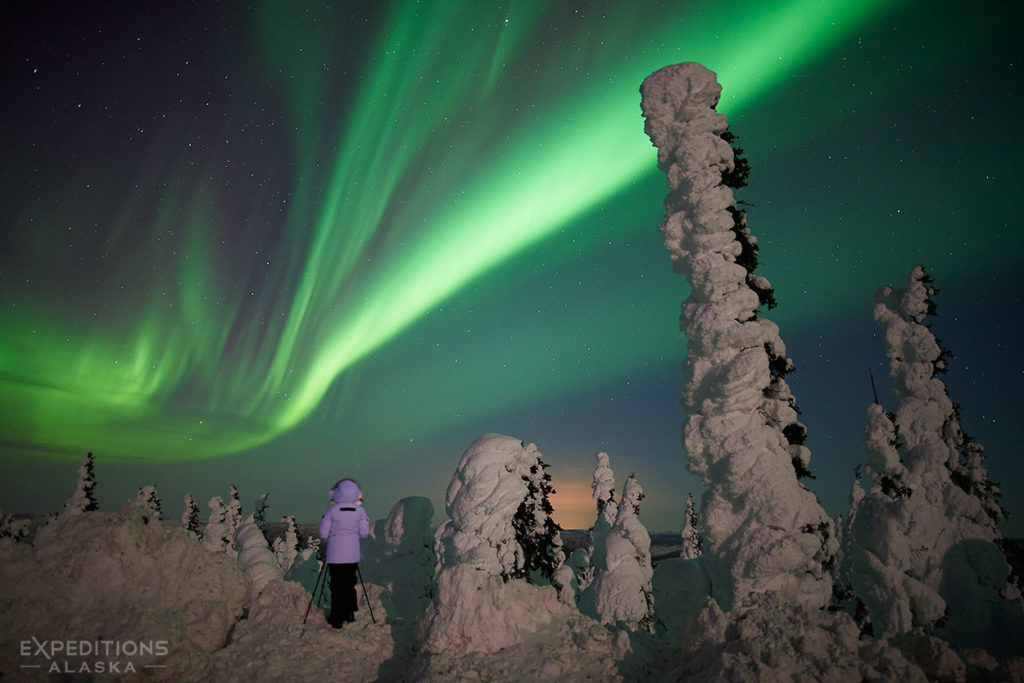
117,577
560,644
273,644
776,640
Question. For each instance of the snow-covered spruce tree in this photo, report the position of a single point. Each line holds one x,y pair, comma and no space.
190,515
83,499
622,571
536,531
286,548
692,546
603,491
148,498
13,527
254,555
477,606
765,530
219,532
233,511
921,545
259,510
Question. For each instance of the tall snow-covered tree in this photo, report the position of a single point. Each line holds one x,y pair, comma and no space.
190,515
536,531
621,588
765,531
692,546
921,548
254,556
286,548
219,533
603,491
83,498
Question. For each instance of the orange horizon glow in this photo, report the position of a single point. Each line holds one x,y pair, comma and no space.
573,502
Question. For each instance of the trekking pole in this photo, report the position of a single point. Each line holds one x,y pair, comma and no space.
360,575
315,587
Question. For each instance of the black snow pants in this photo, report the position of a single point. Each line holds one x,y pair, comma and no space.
343,593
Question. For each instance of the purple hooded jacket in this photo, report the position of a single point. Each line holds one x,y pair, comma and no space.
344,523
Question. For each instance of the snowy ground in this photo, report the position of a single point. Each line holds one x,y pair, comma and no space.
123,578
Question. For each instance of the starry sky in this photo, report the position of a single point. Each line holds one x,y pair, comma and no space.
256,244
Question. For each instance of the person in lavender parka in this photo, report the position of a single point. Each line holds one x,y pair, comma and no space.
343,524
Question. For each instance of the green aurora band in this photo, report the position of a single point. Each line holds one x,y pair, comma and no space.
448,163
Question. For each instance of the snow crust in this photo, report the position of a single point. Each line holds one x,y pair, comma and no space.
119,576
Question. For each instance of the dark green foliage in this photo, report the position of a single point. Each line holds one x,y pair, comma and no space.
894,487
737,178
795,433
740,173
89,485
940,365
191,515
845,600
927,281
779,366
259,511
765,296
823,530
897,441
971,455
537,539
801,470
748,247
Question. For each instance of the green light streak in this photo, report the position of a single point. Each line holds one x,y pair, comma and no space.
439,174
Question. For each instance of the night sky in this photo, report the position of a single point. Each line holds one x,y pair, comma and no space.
274,246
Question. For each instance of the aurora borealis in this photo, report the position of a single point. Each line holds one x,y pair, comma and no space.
276,247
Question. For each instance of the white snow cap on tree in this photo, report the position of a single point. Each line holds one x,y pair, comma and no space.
622,573
476,607
765,531
603,491
254,555
603,486
219,533
920,541
147,496
483,496
691,549
82,499
286,548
